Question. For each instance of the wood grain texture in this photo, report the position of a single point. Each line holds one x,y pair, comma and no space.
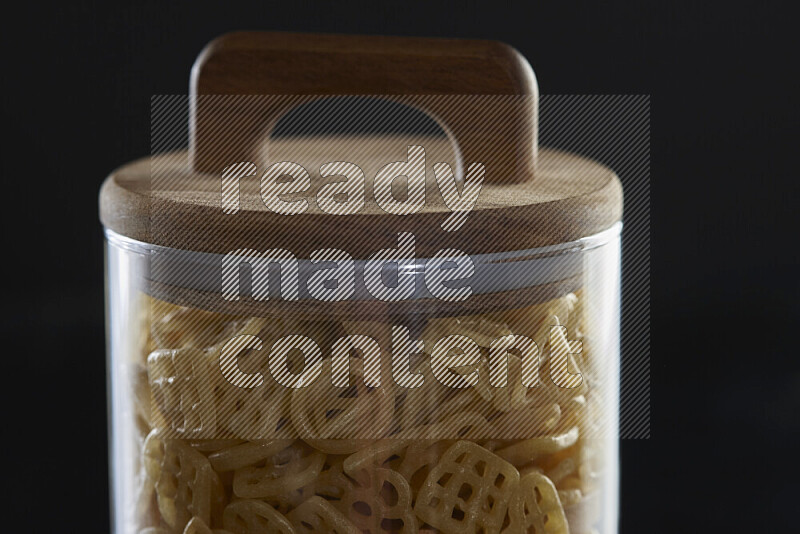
570,198
498,130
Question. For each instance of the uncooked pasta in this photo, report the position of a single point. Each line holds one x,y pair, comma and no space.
216,458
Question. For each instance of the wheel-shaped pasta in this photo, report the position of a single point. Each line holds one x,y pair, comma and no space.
535,507
377,454
380,501
415,452
285,471
468,491
433,402
254,414
360,458
341,420
186,484
332,482
255,517
182,383
318,515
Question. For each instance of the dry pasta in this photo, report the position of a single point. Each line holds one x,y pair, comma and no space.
434,460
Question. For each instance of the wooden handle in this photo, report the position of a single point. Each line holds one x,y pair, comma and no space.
491,110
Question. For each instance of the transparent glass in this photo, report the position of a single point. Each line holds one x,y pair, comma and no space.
535,458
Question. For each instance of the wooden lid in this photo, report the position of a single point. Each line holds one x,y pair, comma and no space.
571,198
442,77
529,198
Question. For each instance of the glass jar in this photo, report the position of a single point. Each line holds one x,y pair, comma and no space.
233,410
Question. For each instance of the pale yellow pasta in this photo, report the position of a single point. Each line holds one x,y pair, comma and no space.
566,467
332,482
182,384
379,501
176,327
185,483
467,491
257,413
287,470
568,497
318,515
413,459
366,459
480,329
527,450
583,515
244,454
255,517
535,507
330,418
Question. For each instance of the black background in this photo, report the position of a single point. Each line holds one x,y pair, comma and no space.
76,85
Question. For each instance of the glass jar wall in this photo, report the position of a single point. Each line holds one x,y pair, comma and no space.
528,444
